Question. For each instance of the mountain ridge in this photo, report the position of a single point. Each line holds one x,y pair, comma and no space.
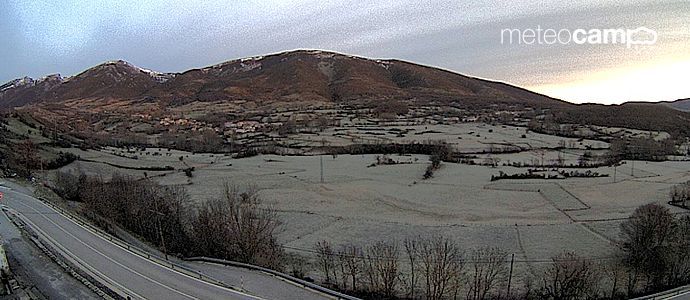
302,80
680,104
305,75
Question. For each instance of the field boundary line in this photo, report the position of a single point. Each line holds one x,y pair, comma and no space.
524,253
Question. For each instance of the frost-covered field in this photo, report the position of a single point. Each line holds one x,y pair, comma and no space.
355,203
360,204
464,137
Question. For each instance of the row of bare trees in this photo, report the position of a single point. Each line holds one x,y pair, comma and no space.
235,226
654,255
422,268
158,214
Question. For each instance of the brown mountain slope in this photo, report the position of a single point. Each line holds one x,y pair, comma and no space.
299,79
23,91
115,80
305,76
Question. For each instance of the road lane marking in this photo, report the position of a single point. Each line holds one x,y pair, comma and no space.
75,257
107,257
679,295
53,211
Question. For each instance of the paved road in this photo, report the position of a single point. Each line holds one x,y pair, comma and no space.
133,275
36,271
685,296
257,283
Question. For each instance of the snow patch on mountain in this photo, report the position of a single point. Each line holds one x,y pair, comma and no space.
158,76
254,58
248,66
384,64
20,82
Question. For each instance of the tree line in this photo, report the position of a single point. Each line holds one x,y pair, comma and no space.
680,195
653,255
235,226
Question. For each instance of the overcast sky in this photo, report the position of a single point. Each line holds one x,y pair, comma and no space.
40,37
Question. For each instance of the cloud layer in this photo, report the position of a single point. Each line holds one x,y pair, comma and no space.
67,36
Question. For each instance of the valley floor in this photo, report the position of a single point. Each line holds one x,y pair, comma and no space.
359,204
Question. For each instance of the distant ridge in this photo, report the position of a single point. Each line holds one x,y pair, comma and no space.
681,104
304,79
296,76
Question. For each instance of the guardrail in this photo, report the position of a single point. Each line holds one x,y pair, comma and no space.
101,285
182,269
135,250
666,294
284,276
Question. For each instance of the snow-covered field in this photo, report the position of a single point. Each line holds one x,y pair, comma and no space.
355,203
464,137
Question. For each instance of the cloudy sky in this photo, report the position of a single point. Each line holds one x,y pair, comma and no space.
40,37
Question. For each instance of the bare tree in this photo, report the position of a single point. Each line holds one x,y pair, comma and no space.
382,268
351,257
157,213
210,141
488,269
297,265
25,157
244,227
560,161
613,272
411,250
326,258
442,262
679,271
67,184
647,241
569,277
491,161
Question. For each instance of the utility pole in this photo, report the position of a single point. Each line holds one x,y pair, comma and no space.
632,168
323,146
321,161
615,167
632,162
510,275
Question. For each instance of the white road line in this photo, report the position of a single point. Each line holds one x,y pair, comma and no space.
107,257
75,257
679,295
121,247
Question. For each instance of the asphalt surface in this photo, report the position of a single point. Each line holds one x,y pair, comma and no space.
685,296
127,272
255,282
36,271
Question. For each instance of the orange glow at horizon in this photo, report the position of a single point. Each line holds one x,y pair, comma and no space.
660,80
